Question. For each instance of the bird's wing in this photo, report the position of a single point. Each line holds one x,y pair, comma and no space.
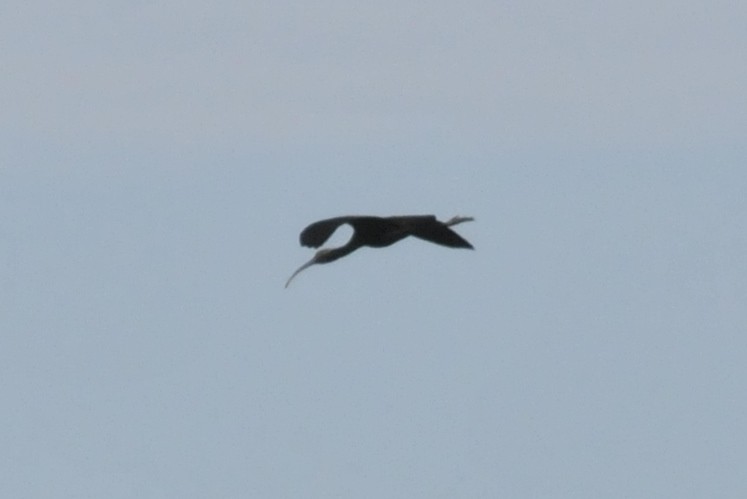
317,233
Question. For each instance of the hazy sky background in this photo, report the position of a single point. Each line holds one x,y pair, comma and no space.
158,160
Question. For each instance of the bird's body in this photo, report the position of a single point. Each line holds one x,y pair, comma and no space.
378,232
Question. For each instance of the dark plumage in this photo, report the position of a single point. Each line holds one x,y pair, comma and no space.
378,232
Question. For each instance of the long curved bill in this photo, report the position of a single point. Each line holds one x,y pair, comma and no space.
302,267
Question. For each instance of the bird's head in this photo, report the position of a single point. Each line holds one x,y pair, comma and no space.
324,255
321,256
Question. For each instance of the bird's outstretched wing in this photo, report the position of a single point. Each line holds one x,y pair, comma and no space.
317,233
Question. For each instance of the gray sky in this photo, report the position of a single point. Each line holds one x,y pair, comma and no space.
158,160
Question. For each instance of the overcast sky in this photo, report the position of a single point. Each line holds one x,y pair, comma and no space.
158,160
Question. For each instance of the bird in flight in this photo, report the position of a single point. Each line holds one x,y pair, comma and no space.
378,232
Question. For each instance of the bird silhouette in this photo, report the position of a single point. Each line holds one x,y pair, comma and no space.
378,232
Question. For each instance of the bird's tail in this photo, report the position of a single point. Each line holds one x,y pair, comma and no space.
440,233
